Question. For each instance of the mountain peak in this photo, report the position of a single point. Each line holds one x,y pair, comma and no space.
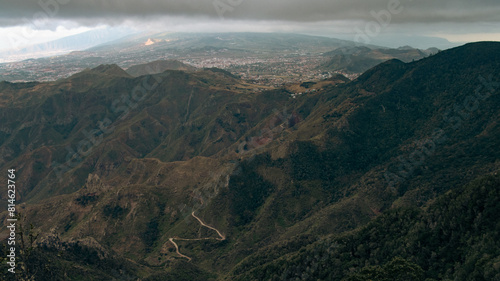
110,69
158,66
106,70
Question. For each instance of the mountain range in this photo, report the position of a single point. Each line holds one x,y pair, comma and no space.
360,59
253,54
198,174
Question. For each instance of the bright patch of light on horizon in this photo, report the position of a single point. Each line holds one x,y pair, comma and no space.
23,36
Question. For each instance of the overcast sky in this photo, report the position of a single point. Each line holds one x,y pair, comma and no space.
33,21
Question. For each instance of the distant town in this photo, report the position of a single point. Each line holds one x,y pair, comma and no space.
273,71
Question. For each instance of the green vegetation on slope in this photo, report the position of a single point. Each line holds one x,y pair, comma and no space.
453,238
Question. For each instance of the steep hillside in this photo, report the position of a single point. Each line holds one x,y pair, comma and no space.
453,238
99,117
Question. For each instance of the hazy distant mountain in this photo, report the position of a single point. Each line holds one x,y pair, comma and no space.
261,42
360,59
421,42
142,48
158,66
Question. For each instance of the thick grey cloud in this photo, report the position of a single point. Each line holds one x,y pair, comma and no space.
91,12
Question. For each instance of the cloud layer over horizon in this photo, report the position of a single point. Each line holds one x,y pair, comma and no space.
388,22
92,12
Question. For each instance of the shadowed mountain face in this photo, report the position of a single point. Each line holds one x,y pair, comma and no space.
377,177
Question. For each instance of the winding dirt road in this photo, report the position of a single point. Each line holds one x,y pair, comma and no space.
222,237
177,249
